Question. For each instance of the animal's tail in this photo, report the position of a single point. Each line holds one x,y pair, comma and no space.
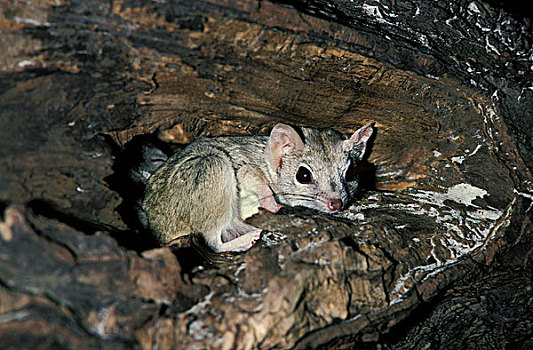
150,158
140,159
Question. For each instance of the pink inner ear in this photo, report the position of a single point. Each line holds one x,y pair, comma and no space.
283,140
362,135
359,139
273,155
286,148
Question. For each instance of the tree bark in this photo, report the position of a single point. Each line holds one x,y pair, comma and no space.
435,252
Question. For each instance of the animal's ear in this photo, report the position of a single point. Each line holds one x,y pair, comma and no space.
358,141
283,140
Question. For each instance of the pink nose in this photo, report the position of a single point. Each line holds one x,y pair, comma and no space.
334,204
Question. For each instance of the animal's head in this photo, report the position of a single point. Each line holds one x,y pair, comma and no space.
313,168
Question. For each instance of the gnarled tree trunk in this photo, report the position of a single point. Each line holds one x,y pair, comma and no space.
435,252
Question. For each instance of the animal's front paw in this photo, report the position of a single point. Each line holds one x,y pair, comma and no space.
271,205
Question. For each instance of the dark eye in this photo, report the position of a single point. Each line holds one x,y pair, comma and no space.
351,173
304,176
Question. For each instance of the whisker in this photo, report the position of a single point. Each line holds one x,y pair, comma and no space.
298,196
303,196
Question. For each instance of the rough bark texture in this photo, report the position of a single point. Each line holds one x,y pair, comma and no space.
436,253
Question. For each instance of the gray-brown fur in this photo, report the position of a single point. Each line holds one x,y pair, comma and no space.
211,186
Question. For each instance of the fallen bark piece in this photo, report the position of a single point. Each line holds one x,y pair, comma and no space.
60,286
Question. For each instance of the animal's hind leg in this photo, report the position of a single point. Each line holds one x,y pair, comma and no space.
238,236
216,213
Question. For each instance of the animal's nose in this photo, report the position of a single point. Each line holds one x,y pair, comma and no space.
334,204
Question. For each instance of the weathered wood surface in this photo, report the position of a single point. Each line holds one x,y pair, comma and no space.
446,220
